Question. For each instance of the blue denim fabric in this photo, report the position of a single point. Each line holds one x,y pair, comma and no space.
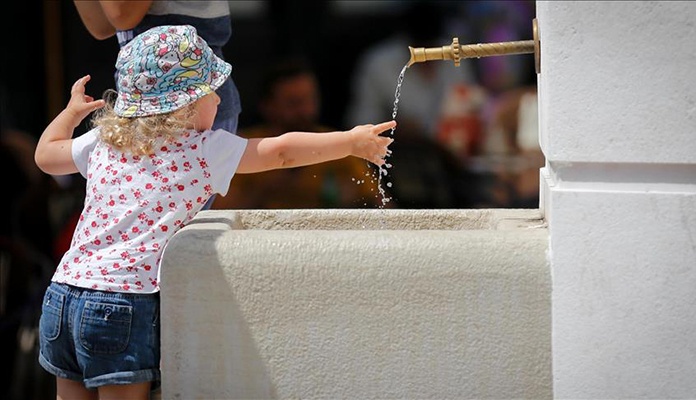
100,338
227,117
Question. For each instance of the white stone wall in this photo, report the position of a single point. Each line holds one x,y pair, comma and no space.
617,115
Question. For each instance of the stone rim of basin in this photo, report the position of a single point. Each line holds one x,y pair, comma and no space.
374,219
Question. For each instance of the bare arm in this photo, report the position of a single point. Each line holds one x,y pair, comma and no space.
94,19
125,14
53,153
296,149
103,18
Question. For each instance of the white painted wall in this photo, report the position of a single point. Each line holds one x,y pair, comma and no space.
617,116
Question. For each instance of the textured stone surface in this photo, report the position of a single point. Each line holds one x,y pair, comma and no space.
617,116
357,312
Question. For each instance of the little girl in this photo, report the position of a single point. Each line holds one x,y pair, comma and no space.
151,163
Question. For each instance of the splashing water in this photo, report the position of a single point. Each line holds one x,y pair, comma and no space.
383,168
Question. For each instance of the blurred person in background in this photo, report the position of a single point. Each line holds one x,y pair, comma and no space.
425,172
425,84
509,157
290,101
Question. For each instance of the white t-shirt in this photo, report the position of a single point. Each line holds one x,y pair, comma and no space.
135,204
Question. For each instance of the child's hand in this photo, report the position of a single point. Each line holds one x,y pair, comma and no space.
53,153
368,144
80,104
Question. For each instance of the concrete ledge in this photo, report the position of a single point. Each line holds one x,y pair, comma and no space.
357,304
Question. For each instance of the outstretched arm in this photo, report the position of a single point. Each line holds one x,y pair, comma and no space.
53,153
296,149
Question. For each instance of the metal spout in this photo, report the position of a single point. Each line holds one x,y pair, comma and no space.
456,52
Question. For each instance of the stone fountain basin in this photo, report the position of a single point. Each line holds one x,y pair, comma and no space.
357,304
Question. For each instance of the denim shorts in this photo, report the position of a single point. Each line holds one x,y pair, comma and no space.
100,338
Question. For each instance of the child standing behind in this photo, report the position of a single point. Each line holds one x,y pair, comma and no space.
151,163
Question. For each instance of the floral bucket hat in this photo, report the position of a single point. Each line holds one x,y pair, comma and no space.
165,68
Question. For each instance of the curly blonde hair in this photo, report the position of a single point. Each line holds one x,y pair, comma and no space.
140,135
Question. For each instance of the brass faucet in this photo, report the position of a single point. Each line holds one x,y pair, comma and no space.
456,52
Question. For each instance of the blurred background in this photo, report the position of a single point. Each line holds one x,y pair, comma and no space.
467,136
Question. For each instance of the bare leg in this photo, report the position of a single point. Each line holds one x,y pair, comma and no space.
136,391
73,390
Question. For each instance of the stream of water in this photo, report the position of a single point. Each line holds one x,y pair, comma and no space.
383,173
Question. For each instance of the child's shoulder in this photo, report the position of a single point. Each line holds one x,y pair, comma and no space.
212,140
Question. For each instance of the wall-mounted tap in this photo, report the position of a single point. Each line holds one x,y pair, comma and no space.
457,52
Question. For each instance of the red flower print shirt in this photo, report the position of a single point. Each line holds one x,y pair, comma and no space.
134,204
